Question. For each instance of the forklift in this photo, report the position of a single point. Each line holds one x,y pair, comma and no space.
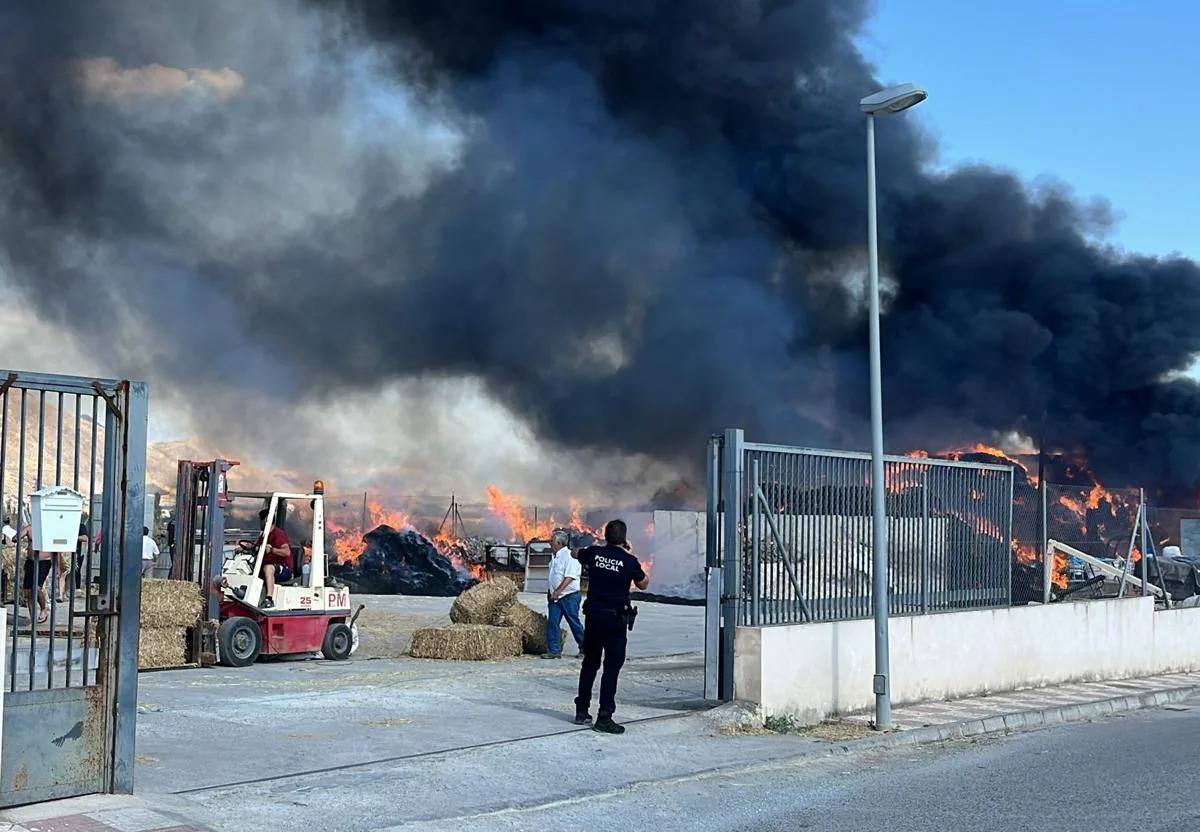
311,612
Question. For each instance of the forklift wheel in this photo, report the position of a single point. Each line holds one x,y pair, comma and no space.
238,642
338,642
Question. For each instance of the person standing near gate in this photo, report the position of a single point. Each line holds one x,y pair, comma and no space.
563,598
149,553
607,612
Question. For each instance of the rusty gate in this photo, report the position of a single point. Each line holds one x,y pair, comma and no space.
70,669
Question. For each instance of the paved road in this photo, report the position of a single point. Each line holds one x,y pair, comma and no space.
1138,771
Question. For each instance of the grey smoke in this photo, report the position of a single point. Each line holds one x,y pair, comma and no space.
635,222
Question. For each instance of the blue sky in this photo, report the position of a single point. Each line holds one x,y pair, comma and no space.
1094,94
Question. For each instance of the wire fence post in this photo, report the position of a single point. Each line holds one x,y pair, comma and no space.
1145,549
1047,556
755,550
925,536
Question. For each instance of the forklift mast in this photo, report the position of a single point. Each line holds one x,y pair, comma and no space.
201,495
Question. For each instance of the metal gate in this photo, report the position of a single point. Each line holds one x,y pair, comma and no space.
70,676
799,546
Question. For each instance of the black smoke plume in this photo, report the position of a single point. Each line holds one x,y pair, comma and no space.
636,222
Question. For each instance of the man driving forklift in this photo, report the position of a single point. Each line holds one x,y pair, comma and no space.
277,560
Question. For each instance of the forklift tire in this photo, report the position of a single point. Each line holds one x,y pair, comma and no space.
339,641
238,642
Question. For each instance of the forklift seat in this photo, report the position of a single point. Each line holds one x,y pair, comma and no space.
297,560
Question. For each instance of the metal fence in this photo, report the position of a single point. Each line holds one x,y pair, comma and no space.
71,688
807,535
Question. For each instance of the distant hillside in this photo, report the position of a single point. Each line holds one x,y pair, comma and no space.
162,458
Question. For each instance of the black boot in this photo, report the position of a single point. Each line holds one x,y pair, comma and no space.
606,725
583,718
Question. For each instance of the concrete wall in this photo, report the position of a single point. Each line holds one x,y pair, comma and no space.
810,671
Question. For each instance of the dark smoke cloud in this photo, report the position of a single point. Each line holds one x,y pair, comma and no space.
636,222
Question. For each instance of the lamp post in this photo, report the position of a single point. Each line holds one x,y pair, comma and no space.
891,100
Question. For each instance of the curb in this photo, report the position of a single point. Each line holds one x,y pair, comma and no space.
1025,720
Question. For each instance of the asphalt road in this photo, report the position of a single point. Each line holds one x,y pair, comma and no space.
1140,771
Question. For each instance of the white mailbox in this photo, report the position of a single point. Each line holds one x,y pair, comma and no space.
56,511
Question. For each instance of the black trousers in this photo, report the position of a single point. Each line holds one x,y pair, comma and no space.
604,639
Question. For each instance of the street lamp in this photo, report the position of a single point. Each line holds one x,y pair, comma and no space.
891,100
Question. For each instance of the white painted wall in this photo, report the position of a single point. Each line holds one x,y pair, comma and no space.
672,542
810,671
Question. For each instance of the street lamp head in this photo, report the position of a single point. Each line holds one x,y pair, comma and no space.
893,99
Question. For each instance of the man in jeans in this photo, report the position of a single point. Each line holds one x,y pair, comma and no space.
565,574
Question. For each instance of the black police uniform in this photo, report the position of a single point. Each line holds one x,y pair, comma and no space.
610,571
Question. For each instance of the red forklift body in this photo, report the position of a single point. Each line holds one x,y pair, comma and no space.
285,631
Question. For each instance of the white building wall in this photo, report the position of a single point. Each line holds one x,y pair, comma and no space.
810,671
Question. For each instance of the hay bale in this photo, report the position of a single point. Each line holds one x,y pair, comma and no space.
163,647
483,603
170,603
468,642
531,625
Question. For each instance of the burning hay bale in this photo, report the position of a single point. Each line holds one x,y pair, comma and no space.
402,563
530,624
466,642
170,604
162,647
484,603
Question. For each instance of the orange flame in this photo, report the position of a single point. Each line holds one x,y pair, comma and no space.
1026,553
508,508
348,543
1074,505
511,510
1058,572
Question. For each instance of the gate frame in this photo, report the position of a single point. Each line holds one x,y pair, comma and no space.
124,465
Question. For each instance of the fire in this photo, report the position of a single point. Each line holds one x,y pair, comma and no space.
1098,493
379,516
985,526
509,509
455,549
1025,552
348,543
1071,503
1058,572
981,449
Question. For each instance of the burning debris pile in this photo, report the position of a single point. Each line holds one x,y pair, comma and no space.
1079,510
401,562
397,559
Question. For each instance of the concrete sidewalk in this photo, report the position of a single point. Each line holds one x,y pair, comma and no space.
1038,706
95,813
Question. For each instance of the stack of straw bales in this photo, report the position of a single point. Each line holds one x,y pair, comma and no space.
488,623
169,610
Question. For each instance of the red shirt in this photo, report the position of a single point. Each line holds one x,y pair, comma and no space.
277,539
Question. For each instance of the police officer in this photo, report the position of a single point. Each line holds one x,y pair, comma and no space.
606,617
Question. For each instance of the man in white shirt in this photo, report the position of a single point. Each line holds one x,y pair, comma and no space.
564,597
149,553
8,533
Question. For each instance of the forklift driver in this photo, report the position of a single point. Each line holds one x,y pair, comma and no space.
277,560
